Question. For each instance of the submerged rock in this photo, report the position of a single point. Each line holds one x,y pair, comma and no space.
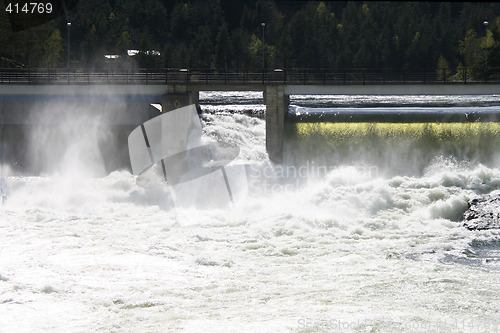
483,213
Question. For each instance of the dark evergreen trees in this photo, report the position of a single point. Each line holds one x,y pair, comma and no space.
227,35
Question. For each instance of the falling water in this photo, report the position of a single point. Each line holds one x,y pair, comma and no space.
353,245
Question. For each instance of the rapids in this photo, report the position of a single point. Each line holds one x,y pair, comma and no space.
340,247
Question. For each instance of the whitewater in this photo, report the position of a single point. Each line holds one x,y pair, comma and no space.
354,248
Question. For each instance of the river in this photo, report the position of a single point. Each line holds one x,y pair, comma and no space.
362,245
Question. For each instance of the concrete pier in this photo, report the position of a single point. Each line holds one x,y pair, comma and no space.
276,107
178,96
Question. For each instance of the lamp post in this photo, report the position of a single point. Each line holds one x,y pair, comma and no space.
263,48
69,26
486,63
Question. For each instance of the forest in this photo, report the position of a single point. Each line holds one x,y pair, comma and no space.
228,35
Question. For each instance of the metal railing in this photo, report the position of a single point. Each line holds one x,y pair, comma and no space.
203,76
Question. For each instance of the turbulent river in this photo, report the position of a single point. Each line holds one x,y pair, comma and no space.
351,245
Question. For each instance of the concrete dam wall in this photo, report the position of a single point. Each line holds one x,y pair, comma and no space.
40,137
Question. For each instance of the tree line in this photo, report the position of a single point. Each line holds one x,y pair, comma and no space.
228,35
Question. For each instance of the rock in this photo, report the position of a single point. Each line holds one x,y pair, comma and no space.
483,213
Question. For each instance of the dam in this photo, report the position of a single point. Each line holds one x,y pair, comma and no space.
123,100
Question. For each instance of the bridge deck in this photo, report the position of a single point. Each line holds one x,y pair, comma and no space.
152,93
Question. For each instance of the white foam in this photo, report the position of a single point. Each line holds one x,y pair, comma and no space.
357,250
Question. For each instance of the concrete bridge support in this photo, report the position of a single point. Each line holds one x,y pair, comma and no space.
177,97
276,106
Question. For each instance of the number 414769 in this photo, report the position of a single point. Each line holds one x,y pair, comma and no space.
29,8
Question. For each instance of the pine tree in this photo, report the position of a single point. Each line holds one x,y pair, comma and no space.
53,49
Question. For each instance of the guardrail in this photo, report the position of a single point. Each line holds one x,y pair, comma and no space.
203,76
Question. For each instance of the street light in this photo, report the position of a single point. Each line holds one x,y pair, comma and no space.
69,26
263,47
486,33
